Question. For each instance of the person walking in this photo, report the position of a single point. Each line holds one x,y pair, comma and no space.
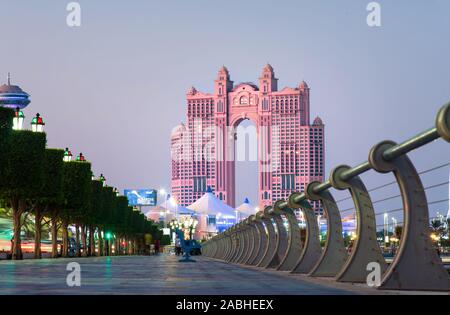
156,247
177,247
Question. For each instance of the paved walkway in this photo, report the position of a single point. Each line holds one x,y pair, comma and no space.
161,274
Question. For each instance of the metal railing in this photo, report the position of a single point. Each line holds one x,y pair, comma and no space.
416,265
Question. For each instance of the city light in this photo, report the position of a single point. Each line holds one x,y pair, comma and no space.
434,237
81,158
172,201
18,119
102,179
37,124
67,155
186,225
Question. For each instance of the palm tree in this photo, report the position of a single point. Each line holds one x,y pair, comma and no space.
438,229
448,225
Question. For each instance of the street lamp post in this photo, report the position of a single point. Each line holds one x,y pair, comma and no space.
102,179
37,124
81,158
67,155
386,222
18,119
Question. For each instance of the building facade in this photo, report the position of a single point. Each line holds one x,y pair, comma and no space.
290,149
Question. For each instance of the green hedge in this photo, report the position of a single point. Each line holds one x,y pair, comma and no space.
52,168
107,204
76,188
6,120
6,117
96,204
24,155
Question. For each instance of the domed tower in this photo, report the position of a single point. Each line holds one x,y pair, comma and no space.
223,84
177,145
192,91
304,102
12,96
317,121
267,81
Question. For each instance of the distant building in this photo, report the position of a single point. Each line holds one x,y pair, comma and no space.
290,149
12,96
448,213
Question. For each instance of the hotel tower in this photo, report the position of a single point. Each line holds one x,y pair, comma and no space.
290,149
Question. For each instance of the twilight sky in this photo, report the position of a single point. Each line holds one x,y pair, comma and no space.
114,87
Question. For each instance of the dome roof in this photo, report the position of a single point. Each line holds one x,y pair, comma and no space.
268,67
246,209
303,85
192,91
13,96
317,121
223,69
178,129
7,88
251,84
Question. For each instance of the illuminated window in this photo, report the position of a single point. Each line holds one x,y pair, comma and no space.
243,100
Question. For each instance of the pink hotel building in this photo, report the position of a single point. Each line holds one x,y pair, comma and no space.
290,149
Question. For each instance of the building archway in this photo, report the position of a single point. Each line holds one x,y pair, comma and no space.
290,149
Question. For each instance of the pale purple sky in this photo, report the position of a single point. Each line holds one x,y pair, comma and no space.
115,87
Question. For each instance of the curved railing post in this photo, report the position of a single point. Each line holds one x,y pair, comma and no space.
311,250
294,247
242,241
218,249
334,254
365,248
256,240
234,243
416,266
246,242
271,249
250,243
282,238
228,244
264,239
239,242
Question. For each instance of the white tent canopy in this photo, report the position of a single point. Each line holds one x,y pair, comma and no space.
155,213
178,209
245,209
209,204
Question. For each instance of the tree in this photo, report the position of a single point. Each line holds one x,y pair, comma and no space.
6,118
106,220
50,197
76,188
22,178
119,226
95,213
398,231
438,228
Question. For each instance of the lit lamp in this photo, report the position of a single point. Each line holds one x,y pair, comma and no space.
67,155
37,124
434,237
102,179
18,119
81,158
